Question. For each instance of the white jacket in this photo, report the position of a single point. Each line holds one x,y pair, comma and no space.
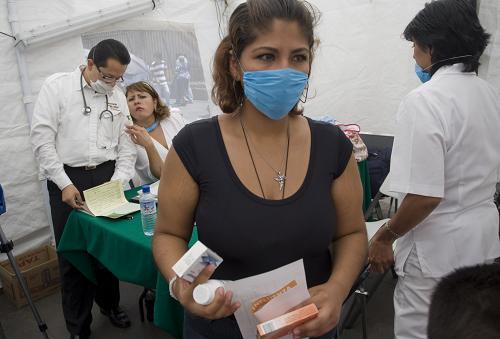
447,145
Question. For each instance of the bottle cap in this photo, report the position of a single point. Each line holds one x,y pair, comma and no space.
203,295
145,189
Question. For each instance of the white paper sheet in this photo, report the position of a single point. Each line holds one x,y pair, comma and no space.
249,289
154,188
108,200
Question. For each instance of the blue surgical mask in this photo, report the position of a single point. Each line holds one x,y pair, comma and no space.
274,92
422,74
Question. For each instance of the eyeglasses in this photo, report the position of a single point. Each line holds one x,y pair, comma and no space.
109,78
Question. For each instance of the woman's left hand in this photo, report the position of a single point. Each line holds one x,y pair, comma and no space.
380,253
139,135
329,303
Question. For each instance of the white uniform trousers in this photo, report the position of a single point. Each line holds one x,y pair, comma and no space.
412,298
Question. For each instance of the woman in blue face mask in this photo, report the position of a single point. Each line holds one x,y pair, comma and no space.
445,161
265,185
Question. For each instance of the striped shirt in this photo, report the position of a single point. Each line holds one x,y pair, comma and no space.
158,69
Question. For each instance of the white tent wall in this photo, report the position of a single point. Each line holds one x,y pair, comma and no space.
26,221
363,66
489,14
362,70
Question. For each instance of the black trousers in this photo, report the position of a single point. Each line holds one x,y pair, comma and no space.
181,89
78,293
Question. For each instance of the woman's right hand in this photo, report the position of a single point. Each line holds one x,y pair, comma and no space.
139,135
222,305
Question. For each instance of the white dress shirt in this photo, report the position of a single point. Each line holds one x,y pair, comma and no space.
170,127
61,134
447,145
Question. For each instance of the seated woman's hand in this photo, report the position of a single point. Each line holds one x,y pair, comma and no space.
222,305
139,135
329,305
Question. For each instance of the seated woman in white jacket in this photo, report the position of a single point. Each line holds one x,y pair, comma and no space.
153,130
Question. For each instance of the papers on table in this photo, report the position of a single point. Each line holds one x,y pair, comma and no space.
108,200
251,289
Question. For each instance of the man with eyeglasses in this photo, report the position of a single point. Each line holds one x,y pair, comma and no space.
78,138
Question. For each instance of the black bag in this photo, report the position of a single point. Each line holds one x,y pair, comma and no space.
379,164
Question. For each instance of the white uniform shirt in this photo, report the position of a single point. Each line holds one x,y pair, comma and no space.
62,135
447,145
170,127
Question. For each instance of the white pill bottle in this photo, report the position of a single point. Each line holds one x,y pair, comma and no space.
204,294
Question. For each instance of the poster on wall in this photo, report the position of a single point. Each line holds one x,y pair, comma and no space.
166,56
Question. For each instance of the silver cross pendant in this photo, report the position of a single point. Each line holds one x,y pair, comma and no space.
280,179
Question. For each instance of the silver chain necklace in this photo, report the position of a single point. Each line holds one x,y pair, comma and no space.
280,177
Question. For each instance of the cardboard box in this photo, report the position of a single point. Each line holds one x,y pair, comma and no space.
282,325
195,260
39,268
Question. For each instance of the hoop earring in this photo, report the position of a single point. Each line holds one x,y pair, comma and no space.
236,94
305,95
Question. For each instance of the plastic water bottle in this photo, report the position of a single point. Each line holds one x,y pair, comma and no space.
148,211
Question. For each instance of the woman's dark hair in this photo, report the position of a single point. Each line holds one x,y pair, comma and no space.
450,28
109,49
161,110
248,20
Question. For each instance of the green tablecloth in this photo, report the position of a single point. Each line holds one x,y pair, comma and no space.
121,246
365,181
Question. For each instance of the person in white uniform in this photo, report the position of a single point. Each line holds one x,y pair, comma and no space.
153,130
445,160
79,141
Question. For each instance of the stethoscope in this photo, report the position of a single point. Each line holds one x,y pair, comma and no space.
87,109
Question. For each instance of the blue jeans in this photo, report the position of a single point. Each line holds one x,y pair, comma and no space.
199,328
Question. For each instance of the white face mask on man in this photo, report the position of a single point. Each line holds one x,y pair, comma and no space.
101,87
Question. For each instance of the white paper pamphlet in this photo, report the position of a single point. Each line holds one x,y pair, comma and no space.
286,286
108,200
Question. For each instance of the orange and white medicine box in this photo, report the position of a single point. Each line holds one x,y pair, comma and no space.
282,325
195,260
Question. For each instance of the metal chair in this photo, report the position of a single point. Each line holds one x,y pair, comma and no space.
363,289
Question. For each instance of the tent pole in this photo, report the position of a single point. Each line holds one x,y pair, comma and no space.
21,61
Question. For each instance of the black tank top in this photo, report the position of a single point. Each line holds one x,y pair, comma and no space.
255,235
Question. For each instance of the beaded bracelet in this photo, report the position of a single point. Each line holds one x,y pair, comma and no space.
388,227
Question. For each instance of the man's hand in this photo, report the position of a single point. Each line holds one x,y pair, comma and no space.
71,196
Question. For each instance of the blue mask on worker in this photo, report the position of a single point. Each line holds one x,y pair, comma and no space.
274,92
422,74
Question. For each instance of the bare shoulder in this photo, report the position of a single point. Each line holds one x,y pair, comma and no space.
229,125
299,126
